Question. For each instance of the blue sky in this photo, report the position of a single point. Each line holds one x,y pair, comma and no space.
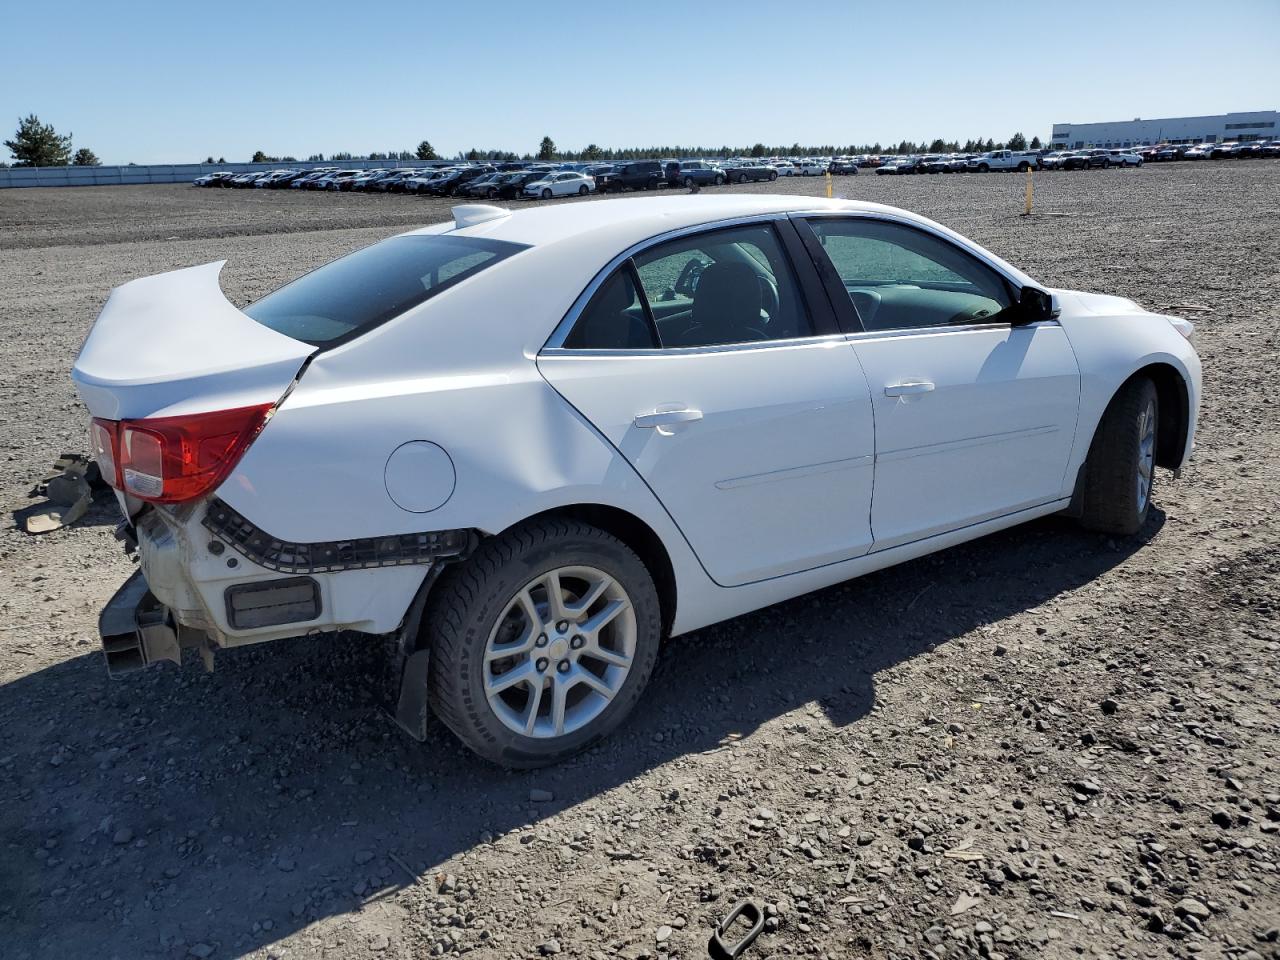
177,81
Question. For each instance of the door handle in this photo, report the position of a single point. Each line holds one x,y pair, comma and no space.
665,418
908,388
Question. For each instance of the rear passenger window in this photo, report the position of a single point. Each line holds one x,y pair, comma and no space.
721,287
615,318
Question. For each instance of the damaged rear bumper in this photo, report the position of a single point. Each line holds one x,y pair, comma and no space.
137,630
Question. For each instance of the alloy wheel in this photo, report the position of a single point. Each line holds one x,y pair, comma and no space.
560,652
1146,454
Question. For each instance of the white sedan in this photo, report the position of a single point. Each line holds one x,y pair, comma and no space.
560,183
526,446
785,168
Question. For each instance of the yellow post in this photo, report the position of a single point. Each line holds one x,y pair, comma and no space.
1027,212
828,184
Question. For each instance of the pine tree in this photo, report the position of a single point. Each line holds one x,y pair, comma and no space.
37,144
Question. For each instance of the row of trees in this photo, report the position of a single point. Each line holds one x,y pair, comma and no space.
547,150
37,144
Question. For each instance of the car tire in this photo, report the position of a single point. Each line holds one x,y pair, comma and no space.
688,181
476,601
719,181
773,176
546,193
1119,474
583,191
1106,164
1024,167
983,168
742,178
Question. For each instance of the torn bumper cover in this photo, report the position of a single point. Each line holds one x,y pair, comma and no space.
137,630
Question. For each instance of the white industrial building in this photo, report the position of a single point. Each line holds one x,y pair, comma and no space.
1250,125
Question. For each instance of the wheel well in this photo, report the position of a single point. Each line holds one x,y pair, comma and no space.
637,535
1171,392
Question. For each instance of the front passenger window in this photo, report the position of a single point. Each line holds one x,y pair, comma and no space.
901,278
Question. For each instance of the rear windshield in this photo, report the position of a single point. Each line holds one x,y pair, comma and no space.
347,297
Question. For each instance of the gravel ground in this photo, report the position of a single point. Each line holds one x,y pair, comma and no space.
1040,744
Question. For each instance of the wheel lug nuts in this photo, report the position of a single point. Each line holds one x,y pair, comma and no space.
577,642
542,664
542,640
562,626
564,666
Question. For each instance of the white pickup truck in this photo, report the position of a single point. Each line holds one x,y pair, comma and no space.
1003,160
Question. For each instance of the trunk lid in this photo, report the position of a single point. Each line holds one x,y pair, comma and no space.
172,344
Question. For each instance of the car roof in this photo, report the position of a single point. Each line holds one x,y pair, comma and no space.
628,221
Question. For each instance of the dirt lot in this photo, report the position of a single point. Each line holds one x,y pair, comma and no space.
1041,744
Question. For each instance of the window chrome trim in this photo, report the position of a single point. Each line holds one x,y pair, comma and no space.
862,335
789,344
563,328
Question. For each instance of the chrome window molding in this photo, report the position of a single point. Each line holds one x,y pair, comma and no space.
944,329
789,344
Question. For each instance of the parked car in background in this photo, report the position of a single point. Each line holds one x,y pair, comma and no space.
753,170
523,502
632,175
933,163
561,183
1124,158
1200,151
481,186
689,172
811,167
512,187
1051,160
900,166
211,179
1076,160
843,167
1019,160
785,168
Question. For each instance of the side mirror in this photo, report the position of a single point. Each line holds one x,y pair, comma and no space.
1033,305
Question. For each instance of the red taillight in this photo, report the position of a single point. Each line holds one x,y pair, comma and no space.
172,459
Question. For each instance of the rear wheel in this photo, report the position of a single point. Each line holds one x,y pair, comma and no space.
546,193
719,180
1119,475
688,181
742,178
773,176
542,642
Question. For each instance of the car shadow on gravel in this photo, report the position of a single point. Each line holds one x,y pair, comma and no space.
174,809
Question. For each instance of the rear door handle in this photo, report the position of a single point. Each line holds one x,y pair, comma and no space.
665,418
908,388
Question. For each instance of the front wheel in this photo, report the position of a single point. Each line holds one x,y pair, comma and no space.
1119,474
583,191
773,176
546,193
983,168
542,642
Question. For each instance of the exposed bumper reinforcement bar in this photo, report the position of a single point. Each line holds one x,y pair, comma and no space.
137,630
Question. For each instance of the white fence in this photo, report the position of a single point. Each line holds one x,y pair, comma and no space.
172,172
